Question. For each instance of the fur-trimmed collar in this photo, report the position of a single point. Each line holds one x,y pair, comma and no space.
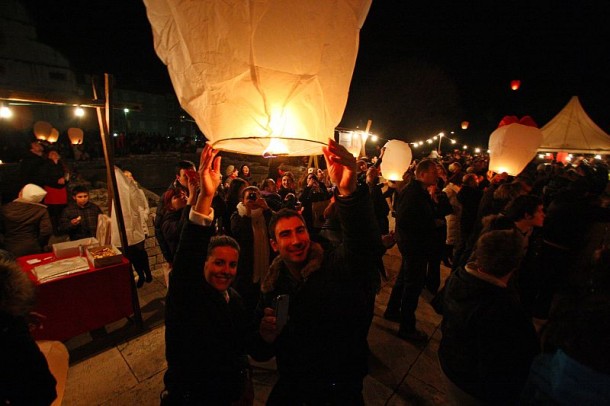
314,262
242,210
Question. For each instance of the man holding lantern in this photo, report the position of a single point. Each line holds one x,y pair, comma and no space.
322,349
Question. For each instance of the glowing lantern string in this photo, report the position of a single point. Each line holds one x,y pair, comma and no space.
255,74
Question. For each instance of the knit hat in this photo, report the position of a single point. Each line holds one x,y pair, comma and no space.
33,193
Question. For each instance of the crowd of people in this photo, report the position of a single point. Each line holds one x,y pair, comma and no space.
525,308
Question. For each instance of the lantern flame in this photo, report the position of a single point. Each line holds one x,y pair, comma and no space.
275,148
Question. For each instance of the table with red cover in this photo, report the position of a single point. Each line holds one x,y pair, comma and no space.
80,302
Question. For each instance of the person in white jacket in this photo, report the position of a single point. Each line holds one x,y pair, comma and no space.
134,206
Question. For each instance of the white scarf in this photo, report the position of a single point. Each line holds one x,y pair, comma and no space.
260,262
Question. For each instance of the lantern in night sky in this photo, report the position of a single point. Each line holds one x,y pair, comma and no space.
465,125
396,160
260,77
515,84
513,145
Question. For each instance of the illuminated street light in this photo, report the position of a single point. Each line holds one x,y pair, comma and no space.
79,112
465,147
5,112
477,150
374,138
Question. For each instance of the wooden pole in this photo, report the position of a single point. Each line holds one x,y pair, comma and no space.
113,191
365,136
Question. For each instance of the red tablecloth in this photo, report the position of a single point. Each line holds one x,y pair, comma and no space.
80,302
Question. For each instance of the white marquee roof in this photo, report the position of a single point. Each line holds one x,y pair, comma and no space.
572,130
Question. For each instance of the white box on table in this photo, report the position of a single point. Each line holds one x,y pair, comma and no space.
73,248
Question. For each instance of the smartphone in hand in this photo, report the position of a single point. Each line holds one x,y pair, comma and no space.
281,311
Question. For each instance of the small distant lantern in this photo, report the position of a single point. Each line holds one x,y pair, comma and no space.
515,84
513,145
42,130
465,125
396,160
243,79
54,136
76,135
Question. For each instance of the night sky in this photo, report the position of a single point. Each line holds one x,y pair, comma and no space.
423,67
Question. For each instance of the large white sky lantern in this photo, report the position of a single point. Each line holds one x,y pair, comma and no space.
396,160
260,77
513,145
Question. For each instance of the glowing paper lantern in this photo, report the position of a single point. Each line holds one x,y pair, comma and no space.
42,130
250,72
513,145
515,84
54,136
396,160
465,125
76,135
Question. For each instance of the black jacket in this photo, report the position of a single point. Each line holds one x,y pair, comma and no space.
88,223
488,341
204,335
415,215
325,339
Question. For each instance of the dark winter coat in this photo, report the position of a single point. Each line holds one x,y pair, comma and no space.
25,378
204,335
470,198
325,340
488,341
168,227
415,215
26,227
88,223
29,169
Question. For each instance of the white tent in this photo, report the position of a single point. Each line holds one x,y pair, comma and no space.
572,130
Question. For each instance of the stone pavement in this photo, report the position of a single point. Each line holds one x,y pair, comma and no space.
121,366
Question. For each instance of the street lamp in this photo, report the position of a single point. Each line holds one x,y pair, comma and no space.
125,111
5,112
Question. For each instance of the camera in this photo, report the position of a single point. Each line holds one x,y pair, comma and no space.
252,196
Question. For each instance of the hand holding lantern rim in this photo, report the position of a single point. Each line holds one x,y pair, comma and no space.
341,166
209,179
